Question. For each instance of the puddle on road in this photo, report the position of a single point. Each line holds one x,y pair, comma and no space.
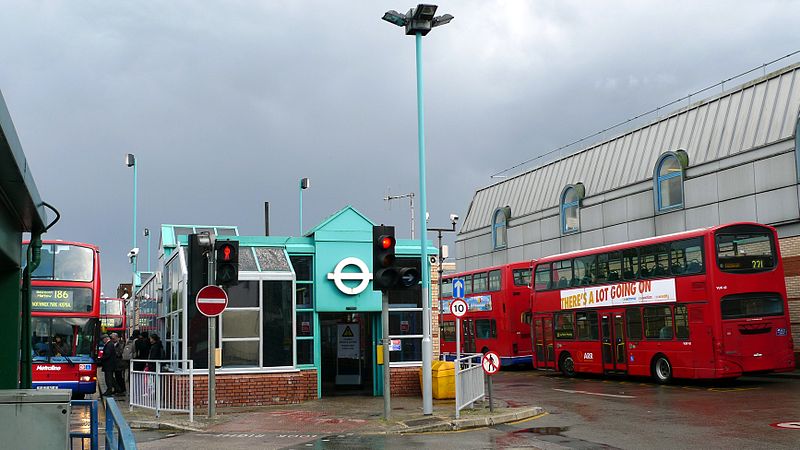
549,431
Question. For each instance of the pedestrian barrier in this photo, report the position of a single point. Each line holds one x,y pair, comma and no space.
164,385
86,431
118,434
469,381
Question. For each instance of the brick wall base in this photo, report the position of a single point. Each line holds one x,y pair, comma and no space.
790,253
258,389
405,382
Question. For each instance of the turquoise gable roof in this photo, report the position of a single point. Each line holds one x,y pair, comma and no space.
347,224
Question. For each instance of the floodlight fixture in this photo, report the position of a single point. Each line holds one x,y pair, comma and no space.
395,17
441,20
130,160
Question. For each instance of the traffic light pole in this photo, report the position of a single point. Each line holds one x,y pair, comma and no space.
387,388
212,343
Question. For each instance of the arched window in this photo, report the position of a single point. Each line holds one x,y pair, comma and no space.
668,179
570,208
500,227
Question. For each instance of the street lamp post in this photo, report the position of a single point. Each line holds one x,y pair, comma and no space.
305,183
147,235
418,22
130,161
440,260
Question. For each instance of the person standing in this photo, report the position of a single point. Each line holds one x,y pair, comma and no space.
142,350
156,351
108,362
119,368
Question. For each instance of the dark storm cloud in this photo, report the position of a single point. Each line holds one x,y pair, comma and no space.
263,93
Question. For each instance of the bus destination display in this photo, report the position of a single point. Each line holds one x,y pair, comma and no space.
52,299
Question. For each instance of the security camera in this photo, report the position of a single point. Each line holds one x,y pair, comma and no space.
454,218
134,251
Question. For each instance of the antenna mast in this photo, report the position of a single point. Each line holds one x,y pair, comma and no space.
410,197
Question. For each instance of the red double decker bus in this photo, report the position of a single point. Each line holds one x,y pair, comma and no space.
708,303
65,322
113,316
499,313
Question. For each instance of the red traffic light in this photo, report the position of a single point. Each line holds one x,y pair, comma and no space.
227,250
386,242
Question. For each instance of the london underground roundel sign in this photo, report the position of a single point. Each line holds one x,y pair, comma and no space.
211,301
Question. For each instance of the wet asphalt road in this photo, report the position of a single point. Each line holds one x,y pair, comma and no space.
582,413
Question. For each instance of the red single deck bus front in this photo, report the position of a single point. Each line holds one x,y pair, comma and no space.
65,297
708,303
499,313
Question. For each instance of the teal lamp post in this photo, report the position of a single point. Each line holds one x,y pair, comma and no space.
130,161
418,22
305,183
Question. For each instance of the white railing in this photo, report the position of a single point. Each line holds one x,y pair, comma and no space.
164,385
469,381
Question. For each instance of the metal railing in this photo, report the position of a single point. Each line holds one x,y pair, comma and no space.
469,381
118,434
164,385
87,428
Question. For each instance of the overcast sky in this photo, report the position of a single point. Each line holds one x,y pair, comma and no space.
255,95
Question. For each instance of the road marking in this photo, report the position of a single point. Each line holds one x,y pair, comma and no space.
570,391
789,425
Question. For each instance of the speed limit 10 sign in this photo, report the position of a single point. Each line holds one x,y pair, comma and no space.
458,307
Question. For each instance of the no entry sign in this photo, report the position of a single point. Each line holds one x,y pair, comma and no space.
211,301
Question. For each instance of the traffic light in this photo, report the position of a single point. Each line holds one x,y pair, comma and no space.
227,262
388,275
197,263
385,275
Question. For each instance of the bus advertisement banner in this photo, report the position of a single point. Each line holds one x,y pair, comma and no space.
474,303
620,294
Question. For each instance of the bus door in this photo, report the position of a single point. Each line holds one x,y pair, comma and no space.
612,327
545,353
468,335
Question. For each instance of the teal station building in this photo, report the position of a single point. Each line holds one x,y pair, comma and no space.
303,321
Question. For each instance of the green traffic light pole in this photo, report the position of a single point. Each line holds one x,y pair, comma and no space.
418,22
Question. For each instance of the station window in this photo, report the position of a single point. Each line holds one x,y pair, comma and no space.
303,266
570,208
668,180
500,227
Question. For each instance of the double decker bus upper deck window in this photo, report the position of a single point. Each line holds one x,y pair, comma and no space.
522,277
746,251
447,287
63,262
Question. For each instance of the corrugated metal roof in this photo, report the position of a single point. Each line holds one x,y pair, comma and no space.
749,116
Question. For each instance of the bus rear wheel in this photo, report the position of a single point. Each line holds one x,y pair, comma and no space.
662,370
567,365
78,396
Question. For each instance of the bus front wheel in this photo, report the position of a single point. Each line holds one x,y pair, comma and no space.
662,370
567,365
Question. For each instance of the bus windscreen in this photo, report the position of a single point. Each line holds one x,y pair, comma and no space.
745,252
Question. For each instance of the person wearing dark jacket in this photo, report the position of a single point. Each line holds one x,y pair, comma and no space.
142,350
156,351
109,363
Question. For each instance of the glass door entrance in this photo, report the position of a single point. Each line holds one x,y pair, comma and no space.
346,357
